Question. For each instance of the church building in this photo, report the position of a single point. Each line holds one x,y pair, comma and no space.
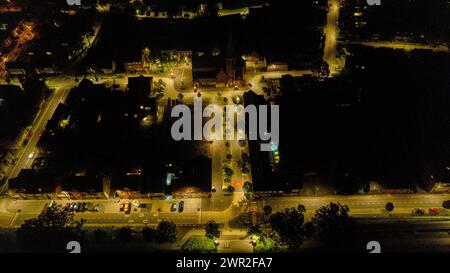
216,68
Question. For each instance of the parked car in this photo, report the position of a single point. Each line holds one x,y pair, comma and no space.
127,207
418,212
72,206
89,206
122,206
77,207
83,206
181,206
66,206
96,207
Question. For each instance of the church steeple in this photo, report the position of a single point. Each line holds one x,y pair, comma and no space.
230,59
231,53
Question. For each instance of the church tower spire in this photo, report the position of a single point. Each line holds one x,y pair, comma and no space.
230,60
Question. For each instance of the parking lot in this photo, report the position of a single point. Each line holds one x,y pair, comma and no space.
108,211
79,207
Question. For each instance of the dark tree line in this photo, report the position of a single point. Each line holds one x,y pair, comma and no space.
331,224
50,231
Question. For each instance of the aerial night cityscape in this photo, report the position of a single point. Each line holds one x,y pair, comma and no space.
218,127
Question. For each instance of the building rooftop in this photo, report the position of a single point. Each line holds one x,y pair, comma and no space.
83,182
34,182
16,111
195,176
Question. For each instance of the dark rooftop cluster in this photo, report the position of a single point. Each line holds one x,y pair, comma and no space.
97,138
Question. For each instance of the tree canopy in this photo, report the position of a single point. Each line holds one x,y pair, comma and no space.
212,9
167,232
446,204
149,234
124,235
334,226
212,229
389,206
289,226
50,231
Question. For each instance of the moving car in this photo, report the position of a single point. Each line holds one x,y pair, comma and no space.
173,207
181,206
433,211
127,207
418,212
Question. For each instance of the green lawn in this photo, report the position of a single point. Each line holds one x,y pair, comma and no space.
265,244
199,244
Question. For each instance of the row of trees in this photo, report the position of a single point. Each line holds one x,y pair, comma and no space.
287,229
165,232
55,227
331,224
50,231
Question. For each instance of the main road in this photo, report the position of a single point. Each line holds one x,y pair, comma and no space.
331,35
61,87
14,212
400,45
363,205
